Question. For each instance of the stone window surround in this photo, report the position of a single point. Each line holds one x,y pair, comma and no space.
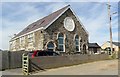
30,38
79,42
22,40
53,43
64,36
13,44
22,43
32,42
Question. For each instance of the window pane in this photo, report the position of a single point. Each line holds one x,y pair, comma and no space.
60,47
60,40
50,45
77,48
77,42
60,35
77,37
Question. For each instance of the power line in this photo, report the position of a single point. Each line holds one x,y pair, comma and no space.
105,4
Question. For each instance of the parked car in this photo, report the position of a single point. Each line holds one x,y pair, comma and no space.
42,53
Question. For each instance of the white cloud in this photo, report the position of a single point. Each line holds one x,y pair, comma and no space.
15,26
97,24
12,27
115,35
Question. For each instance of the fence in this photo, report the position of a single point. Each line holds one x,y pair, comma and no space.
11,60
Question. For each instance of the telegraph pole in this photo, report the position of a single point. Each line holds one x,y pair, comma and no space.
110,27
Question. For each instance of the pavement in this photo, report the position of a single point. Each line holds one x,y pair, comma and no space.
106,67
17,71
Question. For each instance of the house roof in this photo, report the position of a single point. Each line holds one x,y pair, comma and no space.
115,43
44,22
93,45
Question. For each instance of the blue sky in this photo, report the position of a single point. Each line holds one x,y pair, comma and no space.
93,15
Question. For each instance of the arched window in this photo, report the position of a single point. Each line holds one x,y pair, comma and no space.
77,44
60,42
50,46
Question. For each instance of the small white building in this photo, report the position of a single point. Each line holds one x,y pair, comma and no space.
116,46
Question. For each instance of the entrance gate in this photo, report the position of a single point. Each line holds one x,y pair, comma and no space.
25,64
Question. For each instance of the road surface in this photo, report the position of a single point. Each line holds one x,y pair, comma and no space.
106,67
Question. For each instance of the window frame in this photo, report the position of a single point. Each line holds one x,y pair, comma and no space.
22,40
30,38
50,47
59,44
77,40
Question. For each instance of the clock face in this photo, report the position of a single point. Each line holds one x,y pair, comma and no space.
69,24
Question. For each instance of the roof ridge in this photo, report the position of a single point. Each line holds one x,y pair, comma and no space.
53,12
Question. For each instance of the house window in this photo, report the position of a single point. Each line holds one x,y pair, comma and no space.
50,46
30,38
22,40
11,45
61,42
77,44
14,43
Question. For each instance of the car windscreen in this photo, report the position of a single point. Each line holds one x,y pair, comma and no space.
47,53
42,53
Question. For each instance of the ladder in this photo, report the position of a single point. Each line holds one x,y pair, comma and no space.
25,64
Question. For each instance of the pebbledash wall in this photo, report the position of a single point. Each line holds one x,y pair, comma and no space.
42,38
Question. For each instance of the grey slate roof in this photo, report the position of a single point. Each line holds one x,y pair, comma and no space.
42,22
116,43
93,45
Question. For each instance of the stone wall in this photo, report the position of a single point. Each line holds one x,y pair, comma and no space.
37,43
39,40
11,60
47,62
58,27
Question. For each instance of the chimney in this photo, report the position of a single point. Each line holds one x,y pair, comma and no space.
14,34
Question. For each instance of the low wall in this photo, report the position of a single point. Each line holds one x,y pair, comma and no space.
10,60
41,63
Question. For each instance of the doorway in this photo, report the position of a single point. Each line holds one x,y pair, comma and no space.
84,49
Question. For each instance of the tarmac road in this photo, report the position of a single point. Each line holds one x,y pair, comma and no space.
106,67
